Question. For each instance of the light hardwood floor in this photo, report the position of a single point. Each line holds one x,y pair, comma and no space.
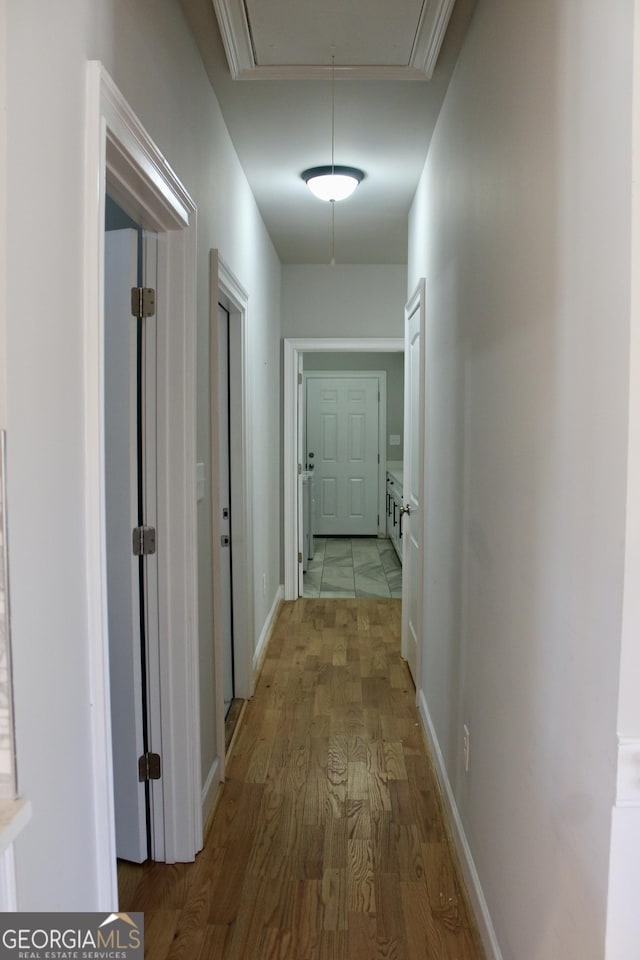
328,841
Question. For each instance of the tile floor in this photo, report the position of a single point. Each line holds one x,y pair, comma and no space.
353,567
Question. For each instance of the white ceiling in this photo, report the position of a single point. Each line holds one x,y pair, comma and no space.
281,124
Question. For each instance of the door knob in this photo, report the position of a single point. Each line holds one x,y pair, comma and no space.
404,510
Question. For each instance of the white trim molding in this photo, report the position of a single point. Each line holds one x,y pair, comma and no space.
471,877
267,630
293,348
210,789
239,46
120,154
628,778
14,817
434,20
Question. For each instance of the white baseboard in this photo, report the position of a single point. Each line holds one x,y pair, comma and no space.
472,880
210,790
265,633
628,782
8,892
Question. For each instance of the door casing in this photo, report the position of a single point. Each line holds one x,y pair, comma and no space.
293,348
225,289
119,152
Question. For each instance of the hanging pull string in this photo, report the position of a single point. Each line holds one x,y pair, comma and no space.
333,112
333,151
333,233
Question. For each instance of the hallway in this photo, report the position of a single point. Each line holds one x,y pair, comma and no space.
328,840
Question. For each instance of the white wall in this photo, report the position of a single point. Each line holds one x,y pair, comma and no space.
3,194
521,227
348,300
623,921
152,57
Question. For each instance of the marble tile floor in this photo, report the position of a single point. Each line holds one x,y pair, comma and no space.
353,567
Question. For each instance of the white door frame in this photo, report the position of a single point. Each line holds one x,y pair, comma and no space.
417,304
226,290
293,348
120,154
381,377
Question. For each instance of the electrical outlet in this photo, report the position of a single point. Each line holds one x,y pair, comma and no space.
264,584
465,747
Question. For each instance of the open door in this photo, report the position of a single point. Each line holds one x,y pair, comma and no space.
411,517
299,481
130,500
121,490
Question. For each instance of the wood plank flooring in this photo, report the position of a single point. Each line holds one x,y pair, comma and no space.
328,841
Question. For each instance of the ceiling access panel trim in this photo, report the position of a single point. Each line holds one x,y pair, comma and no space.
430,34
236,37
320,72
238,44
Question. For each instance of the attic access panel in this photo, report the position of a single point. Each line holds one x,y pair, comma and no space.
294,39
360,33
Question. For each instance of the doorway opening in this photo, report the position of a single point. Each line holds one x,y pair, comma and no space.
412,508
223,458
130,459
228,431
231,509
352,437
303,356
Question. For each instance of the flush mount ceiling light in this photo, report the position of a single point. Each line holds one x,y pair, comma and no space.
332,182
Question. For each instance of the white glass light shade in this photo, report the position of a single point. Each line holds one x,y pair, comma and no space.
332,183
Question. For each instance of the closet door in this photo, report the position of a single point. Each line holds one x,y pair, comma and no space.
226,521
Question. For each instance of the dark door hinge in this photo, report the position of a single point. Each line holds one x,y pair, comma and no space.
144,541
149,767
143,301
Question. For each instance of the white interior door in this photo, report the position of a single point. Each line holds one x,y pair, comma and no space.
413,484
223,459
123,587
148,565
343,450
301,399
